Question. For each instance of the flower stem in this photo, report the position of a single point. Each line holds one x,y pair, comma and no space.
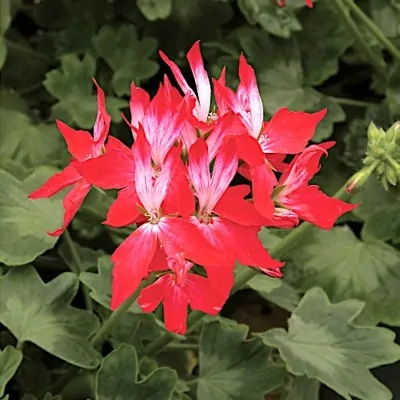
281,249
382,39
363,47
351,102
116,316
77,268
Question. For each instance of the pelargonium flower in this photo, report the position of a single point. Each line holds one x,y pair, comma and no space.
177,289
82,146
175,185
298,200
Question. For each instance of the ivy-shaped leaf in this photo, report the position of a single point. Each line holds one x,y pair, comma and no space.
322,40
155,9
232,368
386,15
24,223
393,92
10,359
72,86
323,343
118,378
346,267
378,208
280,21
100,283
30,145
127,56
281,79
41,313
302,388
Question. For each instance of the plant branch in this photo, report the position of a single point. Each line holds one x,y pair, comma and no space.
363,47
351,102
373,28
76,261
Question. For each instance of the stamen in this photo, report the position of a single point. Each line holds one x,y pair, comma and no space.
212,116
153,217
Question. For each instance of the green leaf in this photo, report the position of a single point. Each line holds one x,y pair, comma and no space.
190,21
29,144
302,388
387,16
378,206
127,56
118,378
10,359
281,79
322,343
323,39
24,223
72,86
11,100
346,268
100,283
41,313
87,257
155,9
76,37
355,143
276,20
20,53
5,21
230,365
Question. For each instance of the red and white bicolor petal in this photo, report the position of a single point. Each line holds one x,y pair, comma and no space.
179,289
203,98
209,188
138,103
308,202
103,120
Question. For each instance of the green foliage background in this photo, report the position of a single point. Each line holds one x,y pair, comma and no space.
338,284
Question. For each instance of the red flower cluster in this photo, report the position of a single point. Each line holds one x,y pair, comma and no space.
174,184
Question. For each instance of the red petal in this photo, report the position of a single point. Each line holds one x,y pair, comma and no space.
263,182
218,134
159,261
277,161
303,167
316,207
138,104
151,296
233,207
131,262
199,171
68,176
175,309
249,83
177,74
288,132
80,143
249,150
72,202
115,144
178,235
203,296
225,167
201,79
103,119
123,211
179,199
221,278
113,170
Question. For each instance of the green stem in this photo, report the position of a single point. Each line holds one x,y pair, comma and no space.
351,102
363,47
76,261
380,37
182,346
278,251
116,316
28,50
